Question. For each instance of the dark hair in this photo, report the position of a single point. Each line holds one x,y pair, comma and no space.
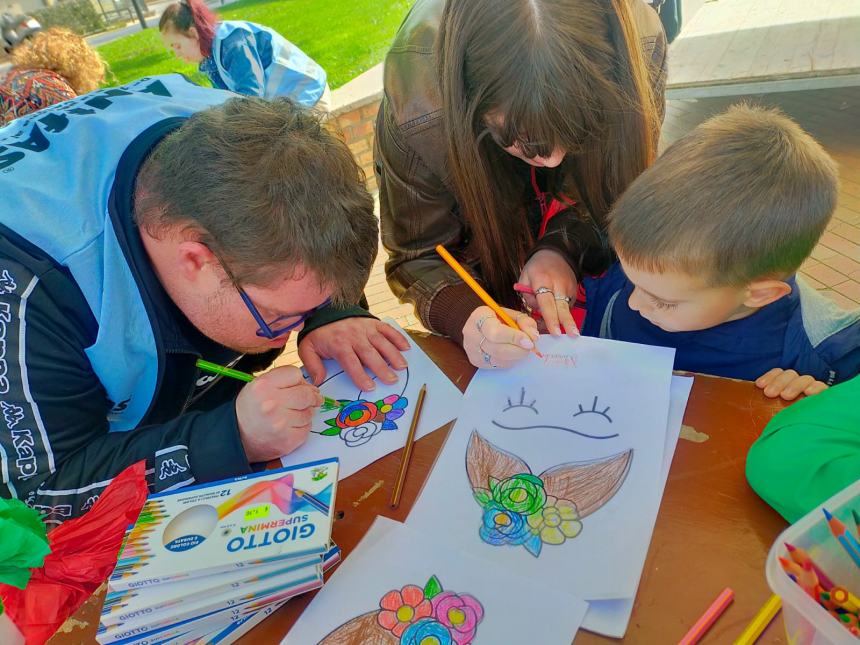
181,16
560,73
270,190
747,194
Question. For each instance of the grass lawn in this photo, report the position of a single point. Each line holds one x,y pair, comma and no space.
346,37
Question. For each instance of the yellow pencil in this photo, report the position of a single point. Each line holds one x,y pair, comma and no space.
481,293
760,622
407,450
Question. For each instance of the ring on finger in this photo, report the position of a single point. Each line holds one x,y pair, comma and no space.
482,320
542,290
486,356
564,298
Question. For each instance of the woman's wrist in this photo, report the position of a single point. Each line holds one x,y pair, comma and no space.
451,308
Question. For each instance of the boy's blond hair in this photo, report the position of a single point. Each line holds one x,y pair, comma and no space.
745,195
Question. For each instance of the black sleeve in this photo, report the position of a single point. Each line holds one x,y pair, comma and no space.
57,451
334,313
579,240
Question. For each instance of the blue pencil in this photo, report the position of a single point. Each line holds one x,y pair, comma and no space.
313,501
840,532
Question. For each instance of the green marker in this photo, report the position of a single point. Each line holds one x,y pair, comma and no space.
328,402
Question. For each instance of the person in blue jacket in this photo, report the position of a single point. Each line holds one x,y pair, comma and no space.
243,57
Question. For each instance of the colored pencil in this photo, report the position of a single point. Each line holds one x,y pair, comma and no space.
480,292
760,622
840,532
844,599
407,449
321,506
328,402
801,557
856,517
708,618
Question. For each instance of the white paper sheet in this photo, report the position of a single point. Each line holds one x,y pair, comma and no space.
611,617
380,418
579,434
488,605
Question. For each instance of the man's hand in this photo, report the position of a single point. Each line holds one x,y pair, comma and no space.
788,384
491,343
355,343
274,412
550,275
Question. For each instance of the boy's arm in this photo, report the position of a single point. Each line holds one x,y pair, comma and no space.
808,452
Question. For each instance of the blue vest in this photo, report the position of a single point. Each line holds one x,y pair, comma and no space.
246,53
57,168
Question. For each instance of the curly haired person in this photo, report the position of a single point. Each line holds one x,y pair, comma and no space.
55,65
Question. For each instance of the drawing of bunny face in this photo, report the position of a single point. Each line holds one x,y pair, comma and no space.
522,413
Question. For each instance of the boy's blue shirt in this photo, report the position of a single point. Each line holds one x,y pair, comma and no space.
803,331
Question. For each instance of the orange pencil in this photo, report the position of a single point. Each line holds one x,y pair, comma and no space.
481,293
708,618
801,557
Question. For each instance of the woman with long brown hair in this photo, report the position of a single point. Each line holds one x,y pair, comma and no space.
506,131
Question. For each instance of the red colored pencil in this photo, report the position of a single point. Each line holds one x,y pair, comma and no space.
708,618
801,557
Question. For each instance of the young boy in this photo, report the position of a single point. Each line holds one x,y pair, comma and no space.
709,239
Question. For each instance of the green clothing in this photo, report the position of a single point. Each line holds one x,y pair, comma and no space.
809,451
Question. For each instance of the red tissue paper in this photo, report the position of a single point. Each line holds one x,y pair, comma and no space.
83,555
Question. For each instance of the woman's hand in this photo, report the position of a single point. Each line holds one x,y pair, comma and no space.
554,283
491,343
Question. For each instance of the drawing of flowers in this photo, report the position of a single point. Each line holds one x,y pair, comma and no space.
460,613
402,608
556,522
414,616
357,422
427,632
528,510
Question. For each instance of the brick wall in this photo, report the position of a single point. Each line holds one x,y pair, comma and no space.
356,126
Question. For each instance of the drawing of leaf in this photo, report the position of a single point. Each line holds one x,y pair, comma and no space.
533,545
482,496
331,432
484,460
362,630
331,422
432,588
588,484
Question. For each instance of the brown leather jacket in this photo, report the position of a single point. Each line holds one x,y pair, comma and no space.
416,193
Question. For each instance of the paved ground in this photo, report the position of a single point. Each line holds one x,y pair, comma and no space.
829,115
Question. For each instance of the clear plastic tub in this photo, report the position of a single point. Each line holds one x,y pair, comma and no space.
805,620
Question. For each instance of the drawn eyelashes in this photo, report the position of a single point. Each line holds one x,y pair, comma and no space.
522,403
594,410
531,405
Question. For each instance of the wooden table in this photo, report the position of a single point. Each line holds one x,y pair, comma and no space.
712,532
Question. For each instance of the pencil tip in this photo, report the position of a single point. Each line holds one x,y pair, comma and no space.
827,514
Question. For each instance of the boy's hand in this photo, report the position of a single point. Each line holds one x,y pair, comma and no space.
788,384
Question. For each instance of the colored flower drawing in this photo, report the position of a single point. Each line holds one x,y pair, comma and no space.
414,616
528,510
358,420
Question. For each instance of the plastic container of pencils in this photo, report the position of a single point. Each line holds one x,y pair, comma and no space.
807,621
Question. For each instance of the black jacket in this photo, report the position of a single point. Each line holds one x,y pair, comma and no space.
57,454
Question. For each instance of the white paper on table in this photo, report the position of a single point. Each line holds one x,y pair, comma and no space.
589,420
611,617
375,428
391,556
